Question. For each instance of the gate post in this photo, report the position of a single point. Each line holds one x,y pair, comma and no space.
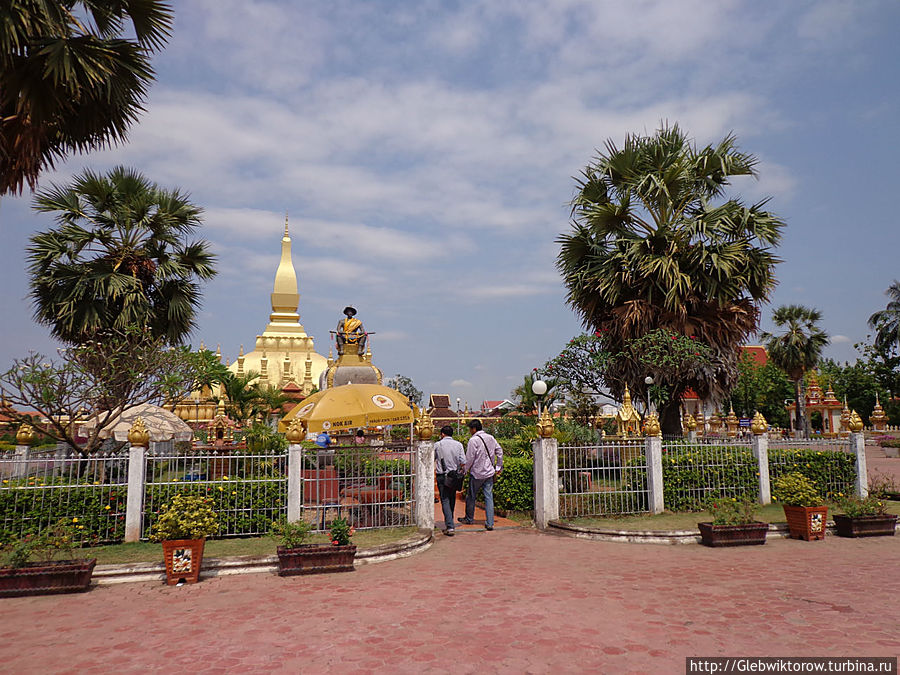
294,482
139,438
546,481
858,446
653,453
425,484
760,445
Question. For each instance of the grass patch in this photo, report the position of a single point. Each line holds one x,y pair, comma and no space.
771,513
144,551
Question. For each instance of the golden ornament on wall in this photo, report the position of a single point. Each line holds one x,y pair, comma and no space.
690,423
25,435
425,426
855,424
759,426
296,431
651,425
138,434
545,425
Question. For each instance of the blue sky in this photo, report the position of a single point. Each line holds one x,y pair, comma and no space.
425,152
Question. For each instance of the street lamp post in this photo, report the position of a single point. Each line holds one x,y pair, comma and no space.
539,388
457,415
649,382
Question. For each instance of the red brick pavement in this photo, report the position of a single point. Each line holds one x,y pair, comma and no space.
511,601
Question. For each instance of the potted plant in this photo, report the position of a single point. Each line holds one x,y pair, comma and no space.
866,517
734,524
29,566
182,527
295,557
803,508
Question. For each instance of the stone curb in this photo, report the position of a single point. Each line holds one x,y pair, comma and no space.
252,564
650,536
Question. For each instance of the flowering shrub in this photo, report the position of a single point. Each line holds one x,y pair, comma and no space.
854,507
56,540
341,532
186,517
733,511
795,489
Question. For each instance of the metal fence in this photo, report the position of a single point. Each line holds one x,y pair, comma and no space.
40,488
830,462
248,489
696,472
370,486
608,478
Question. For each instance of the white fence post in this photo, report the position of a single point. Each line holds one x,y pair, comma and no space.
20,468
294,482
546,481
653,453
858,446
425,485
760,445
134,506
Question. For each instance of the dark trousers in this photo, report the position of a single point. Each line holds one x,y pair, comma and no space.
448,502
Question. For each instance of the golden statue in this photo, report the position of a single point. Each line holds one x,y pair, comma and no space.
350,331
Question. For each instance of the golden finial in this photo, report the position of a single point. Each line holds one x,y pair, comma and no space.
296,431
626,399
651,424
759,425
220,408
545,425
219,352
138,434
202,346
25,435
425,426
241,352
690,423
286,224
856,424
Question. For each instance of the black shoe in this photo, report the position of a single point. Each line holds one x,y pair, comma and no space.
449,532
466,521
488,527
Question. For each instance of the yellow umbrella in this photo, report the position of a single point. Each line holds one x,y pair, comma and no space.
349,406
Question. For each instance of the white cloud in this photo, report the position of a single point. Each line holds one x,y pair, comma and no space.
840,339
460,383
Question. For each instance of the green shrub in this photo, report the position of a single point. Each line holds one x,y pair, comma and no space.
832,472
291,535
733,510
693,475
795,489
514,489
889,442
185,517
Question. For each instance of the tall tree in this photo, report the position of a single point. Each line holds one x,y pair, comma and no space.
796,349
405,386
74,75
654,244
886,322
119,256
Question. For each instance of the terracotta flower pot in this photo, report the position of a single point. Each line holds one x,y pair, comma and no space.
806,522
315,559
183,558
865,526
747,534
58,576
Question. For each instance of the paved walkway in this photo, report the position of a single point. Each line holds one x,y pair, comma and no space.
510,601
460,510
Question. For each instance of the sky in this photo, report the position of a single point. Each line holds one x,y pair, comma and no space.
425,153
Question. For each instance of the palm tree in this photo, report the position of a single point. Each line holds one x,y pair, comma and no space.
650,249
242,395
74,75
886,323
796,350
118,257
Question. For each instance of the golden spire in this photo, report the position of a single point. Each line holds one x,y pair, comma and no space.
285,294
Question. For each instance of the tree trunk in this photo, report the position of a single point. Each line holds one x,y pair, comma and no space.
670,418
802,407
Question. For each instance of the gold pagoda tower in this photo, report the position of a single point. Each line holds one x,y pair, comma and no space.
284,353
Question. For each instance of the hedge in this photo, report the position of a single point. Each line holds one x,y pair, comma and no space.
514,489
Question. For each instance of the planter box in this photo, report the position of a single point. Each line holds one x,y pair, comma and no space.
733,535
60,576
806,522
183,558
315,559
865,526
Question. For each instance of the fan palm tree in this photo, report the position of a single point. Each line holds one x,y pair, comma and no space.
796,350
73,76
886,323
242,395
119,257
654,244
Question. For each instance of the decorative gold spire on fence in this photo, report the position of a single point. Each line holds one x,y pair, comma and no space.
25,435
545,425
138,434
759,426
855,424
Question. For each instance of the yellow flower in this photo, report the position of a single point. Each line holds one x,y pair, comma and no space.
5,481
234,492
174,479
107,507
81,527
221,489
733,499
97,482
224,477
840,494
74,520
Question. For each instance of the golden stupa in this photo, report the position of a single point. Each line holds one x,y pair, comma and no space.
284,353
